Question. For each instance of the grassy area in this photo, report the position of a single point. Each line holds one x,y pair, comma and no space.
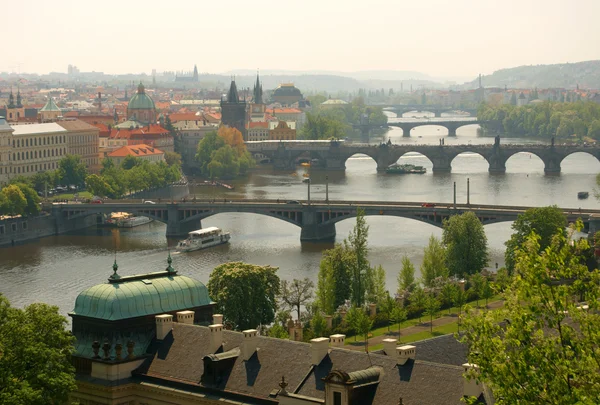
437,331
82,195
412,322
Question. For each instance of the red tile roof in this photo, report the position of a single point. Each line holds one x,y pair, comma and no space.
137,151
258,124
188,116
283,111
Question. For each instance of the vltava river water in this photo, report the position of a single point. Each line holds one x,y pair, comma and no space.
55,269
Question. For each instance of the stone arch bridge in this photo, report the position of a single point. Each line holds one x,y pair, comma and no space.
332,155
316,220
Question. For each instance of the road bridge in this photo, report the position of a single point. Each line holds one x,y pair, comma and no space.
316,219
450,125
436,109
332,155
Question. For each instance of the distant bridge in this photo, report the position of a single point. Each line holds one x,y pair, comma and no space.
332,155
316,219
436,109
407,126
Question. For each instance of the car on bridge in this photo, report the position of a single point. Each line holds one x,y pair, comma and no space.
428,205
294,202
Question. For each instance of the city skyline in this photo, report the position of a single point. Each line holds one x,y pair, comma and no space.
436,38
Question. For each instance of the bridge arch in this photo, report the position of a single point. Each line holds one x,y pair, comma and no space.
362,155
480,161
521,157
415,157
290,215
583,162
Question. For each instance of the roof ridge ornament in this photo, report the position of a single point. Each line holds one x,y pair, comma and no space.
115,267
170,268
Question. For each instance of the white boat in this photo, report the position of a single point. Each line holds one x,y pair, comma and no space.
202,239
126,220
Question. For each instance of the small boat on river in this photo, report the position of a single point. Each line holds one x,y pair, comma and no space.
582,195
405,169
202,239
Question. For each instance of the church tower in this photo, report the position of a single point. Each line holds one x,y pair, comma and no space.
195,77
233,111
11,100
19,103
258,107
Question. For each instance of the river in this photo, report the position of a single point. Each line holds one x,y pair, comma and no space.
55,269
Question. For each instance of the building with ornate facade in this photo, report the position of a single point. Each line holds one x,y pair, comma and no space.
153,339
258,131
233,110
287,94
191,129
36,148
141,151
82,140
282,131
49,112
6,132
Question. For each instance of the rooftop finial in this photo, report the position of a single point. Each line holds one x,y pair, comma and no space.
283,385
170,268
115,266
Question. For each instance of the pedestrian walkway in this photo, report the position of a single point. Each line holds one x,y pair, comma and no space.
411,330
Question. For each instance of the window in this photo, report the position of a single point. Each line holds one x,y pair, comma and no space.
13,227
337,398
1,229
24,225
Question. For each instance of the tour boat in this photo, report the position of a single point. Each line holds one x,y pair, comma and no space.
126,220
403,169
202,239
582,195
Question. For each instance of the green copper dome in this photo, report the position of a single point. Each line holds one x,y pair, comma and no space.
147,294
140,100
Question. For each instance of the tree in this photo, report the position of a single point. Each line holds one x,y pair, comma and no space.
406,277
447,294
432,307
477,284
551,341
434,262
33,200
544,221
418,301
398,315
487,291
173,159
377,292
245,293
35,355
466,244
318,324
15,202
459,300
360,322
386,307
210,143
360,272
296,293
130,162
278,331
224,163
71,170
333,288
97,185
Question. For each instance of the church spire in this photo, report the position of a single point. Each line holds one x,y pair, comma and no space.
19,104
195,73
257,92
11,99
232,96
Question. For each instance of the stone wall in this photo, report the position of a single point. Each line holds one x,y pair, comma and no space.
24,229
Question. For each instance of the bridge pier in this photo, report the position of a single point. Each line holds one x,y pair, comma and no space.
551,166
312,231
334,163
497,164
437,113
451,131
406,131
177,227
441,164
284,164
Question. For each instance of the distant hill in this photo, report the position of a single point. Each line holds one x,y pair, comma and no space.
564,75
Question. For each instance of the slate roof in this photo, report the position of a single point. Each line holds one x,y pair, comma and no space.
442,349
180,359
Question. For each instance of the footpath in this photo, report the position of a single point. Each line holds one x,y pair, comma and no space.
411,330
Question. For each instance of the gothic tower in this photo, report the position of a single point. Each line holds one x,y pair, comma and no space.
195,73
258,107
19,103
233,111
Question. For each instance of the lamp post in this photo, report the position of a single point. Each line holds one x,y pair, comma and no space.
308,183
454,195
468,192
327,189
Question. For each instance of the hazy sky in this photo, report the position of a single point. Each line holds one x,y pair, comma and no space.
437,37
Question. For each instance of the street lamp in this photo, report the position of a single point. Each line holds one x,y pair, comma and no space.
308,183
327,189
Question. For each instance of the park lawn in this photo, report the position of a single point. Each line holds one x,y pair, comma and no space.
437,331
415,321
82,195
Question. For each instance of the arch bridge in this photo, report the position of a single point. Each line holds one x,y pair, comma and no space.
316,219
332,155
435,109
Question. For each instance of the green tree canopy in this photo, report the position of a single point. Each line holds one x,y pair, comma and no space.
71,170
466,244
406,276
32,206
360,274
15,202
547,350
544,221
246,294
434,262
333,288
35,355
173,158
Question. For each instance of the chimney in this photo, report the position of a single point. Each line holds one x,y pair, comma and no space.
249,343
217,319
186,317
389,347
318,349
164,324
404,353
337,340
216,337
471,387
